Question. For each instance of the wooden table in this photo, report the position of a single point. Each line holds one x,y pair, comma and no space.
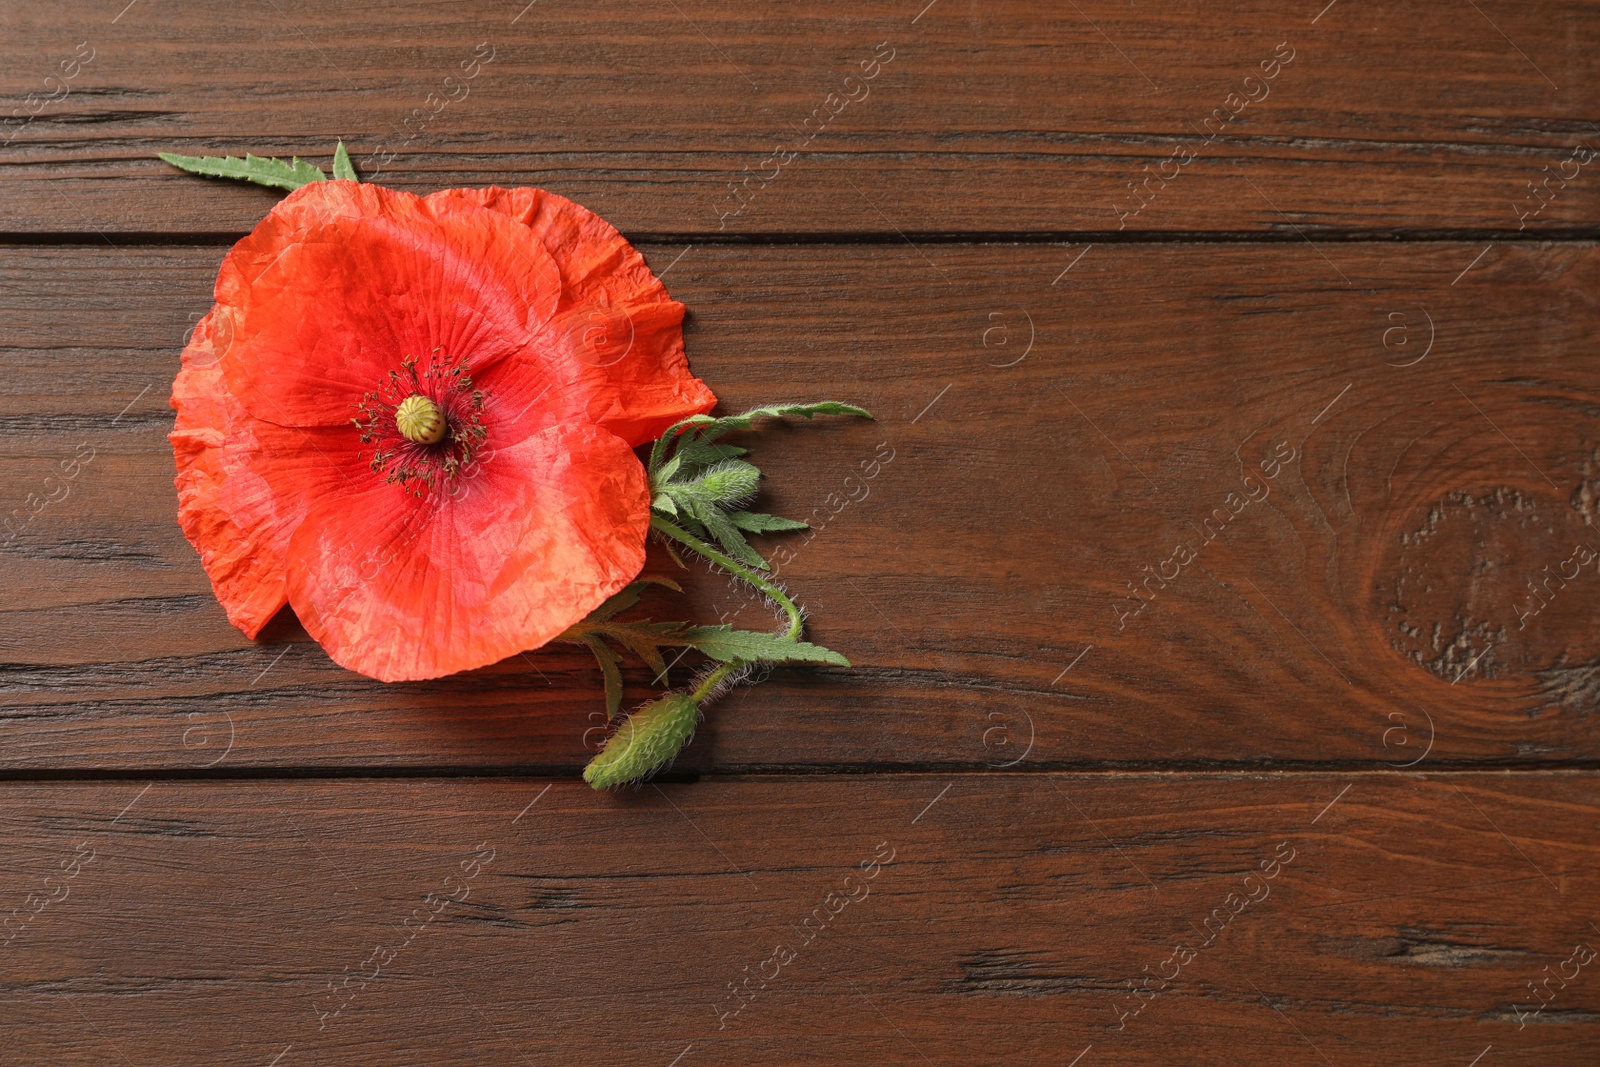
1224,618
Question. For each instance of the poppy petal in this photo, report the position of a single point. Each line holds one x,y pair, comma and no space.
306,331
225,510
612,353
404,588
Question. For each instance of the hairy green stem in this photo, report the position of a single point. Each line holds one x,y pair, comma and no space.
713,680
768,589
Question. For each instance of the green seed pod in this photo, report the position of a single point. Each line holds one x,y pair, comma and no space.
419,419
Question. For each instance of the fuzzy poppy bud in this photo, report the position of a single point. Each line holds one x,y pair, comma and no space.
727,483
649,738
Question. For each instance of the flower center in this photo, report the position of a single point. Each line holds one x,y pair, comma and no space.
419,420
424,423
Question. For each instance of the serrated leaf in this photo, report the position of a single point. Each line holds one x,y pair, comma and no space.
743,420
756,522
342,167
662,502
649,738
615,604
685,494
651,655
673,552
610,670
694,454
751,646
710,428
644,639
618,602
259,169
668,469
689,507
727,535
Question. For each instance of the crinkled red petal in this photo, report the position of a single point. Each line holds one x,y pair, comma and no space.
542,534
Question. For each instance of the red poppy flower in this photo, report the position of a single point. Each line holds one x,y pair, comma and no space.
413,419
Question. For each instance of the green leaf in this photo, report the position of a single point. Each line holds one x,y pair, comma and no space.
680,493
644,639
727,535
673,552
728,645
667,470
688,498
712,428
261,170
617,603
698,491
755,522
702,486
652,735
655,579
694,454
342,167
610,670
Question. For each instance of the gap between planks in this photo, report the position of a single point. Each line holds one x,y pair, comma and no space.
418,774
1278,235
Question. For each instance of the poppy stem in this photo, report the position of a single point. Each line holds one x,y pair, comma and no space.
767,588
712,680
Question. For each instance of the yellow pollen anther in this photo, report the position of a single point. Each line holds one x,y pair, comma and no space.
419,419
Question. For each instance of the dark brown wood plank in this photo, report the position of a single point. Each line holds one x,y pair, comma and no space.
1374,605
1009,117
1001,918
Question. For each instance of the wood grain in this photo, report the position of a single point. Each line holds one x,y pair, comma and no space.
1003,117
1005,919
1370,603
1219,574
